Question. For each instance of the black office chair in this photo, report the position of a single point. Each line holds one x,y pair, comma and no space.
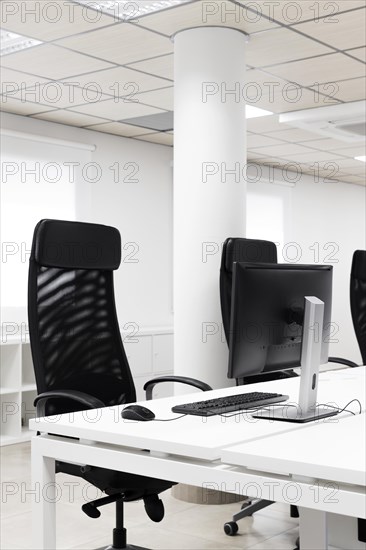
77,351
358,299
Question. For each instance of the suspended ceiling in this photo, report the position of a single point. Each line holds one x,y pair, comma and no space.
322,52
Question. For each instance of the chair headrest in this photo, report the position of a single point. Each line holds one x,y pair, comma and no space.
359,265
248,250
76,245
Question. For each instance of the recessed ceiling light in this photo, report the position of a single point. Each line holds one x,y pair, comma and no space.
362,159
129,10
11,42
255,112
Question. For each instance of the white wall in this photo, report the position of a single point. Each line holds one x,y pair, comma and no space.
141,210
320,223
333,215
305,214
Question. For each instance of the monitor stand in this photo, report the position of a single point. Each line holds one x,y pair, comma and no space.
307,410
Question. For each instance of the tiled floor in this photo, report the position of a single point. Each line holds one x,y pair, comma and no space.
185,526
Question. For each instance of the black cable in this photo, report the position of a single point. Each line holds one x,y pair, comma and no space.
339,411
168,419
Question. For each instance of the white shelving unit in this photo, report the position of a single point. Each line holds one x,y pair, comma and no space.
149,352
17,390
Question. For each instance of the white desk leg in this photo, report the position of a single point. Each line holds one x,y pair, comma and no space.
44,501
313,529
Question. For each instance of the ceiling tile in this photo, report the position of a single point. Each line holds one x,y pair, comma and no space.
122,43
326,144
283,150
293,135
59,95
312,156
327,68
251,155
351,163
258,140
162,138
265,124
261,82
119,82
163,99
114,111
344,90
346,31
279,46
291,13
49,61
265,89
360,53
52,20
18,107
348,150
202,13
162,66
120,129
14,81
68,117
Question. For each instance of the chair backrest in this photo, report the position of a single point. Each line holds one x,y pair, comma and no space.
240,250
358,299
74,333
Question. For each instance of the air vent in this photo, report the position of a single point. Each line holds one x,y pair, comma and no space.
345,122
161,122
355,128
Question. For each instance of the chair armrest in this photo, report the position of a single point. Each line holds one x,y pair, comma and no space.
89,401
343,361
149,386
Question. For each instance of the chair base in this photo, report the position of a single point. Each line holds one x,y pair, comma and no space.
127,547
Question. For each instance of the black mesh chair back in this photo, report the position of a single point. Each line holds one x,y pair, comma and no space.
240,250
358,299
74,332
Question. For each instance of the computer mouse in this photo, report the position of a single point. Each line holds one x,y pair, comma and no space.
137,412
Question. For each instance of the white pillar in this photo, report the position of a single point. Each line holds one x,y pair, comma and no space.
209,190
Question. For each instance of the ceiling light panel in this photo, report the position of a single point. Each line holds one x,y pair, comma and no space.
11,42
255,112
127,10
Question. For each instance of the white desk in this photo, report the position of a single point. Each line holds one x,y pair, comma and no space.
330,456
332,451
187,450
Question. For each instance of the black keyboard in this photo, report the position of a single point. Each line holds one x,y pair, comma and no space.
222,405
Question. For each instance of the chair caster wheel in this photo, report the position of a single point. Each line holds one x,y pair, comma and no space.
297,544
231,528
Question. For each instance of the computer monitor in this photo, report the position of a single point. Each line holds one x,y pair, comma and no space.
268,317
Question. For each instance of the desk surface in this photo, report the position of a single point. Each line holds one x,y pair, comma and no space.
185,436
339,445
